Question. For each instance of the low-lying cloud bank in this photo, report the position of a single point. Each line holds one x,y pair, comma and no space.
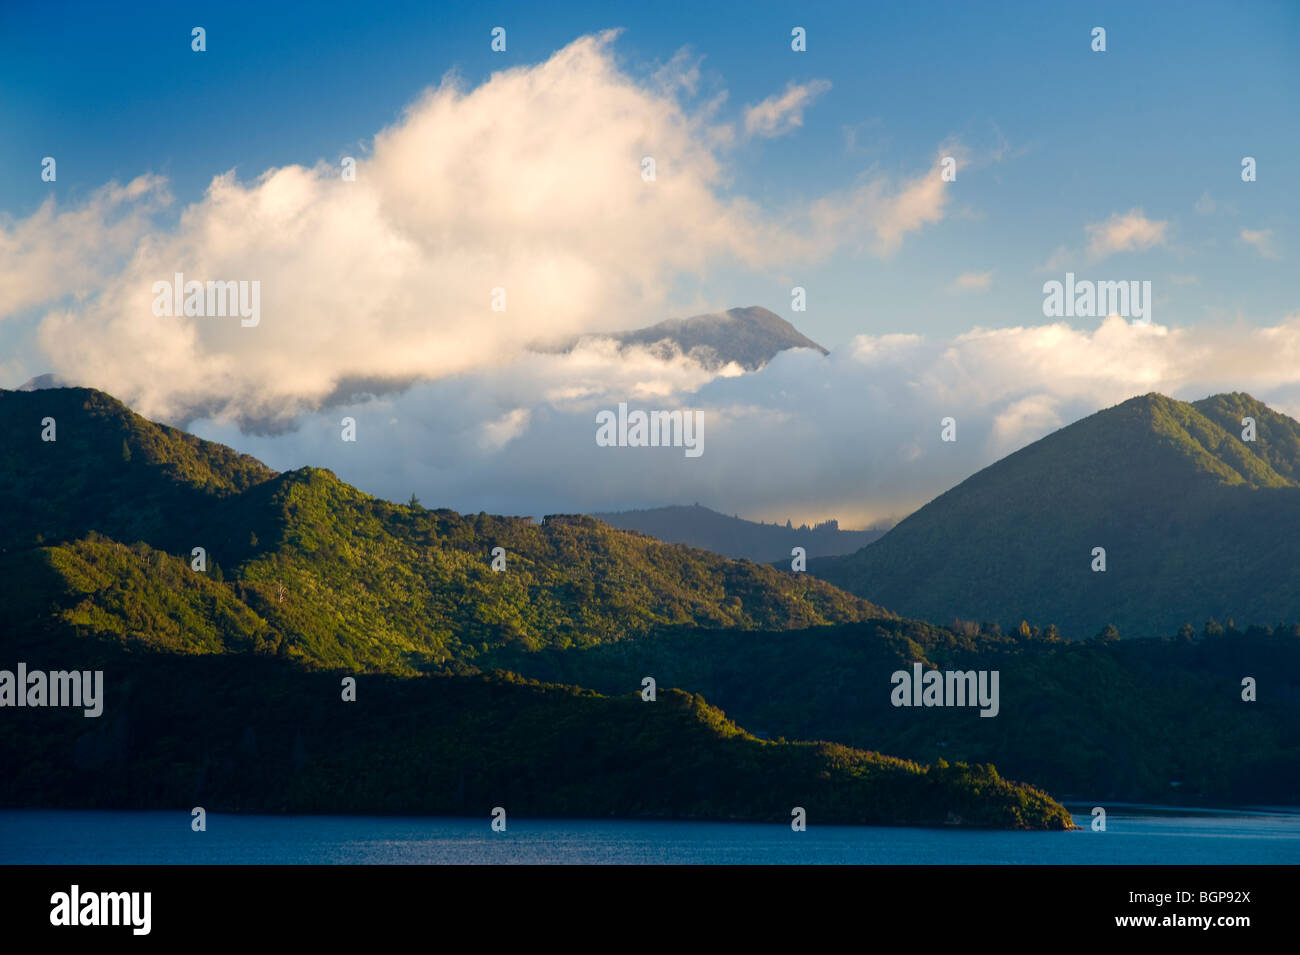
854,435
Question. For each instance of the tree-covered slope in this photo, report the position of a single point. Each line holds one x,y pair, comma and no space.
218,682
249,732
107,469
339,577
1152,720
210,702
1195,522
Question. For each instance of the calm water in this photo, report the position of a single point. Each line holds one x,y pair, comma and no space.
1133,835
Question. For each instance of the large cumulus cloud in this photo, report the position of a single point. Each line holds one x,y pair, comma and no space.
530,182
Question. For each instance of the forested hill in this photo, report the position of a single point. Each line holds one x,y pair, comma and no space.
1195,520
104,519
225,681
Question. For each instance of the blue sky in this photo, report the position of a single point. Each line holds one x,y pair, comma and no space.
1122,165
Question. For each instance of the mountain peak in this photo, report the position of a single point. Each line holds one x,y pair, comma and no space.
1192,509
1233,437
750,337
42,382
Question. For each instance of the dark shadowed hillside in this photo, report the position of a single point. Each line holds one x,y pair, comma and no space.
1151,720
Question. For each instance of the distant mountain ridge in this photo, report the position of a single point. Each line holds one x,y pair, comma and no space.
738,538
1195,522
750,337
41,382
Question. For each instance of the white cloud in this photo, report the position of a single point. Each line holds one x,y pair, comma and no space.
885,213
778,114
682,72
973,281
54,253
497,434
1058,260
1261,240
1207,205
1128,232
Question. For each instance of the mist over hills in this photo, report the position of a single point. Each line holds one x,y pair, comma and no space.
1196,523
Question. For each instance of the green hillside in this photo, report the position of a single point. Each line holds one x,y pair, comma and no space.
1196,524
94,474
339,577
223,685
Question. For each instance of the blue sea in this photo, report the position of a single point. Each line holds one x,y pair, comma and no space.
1133,835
